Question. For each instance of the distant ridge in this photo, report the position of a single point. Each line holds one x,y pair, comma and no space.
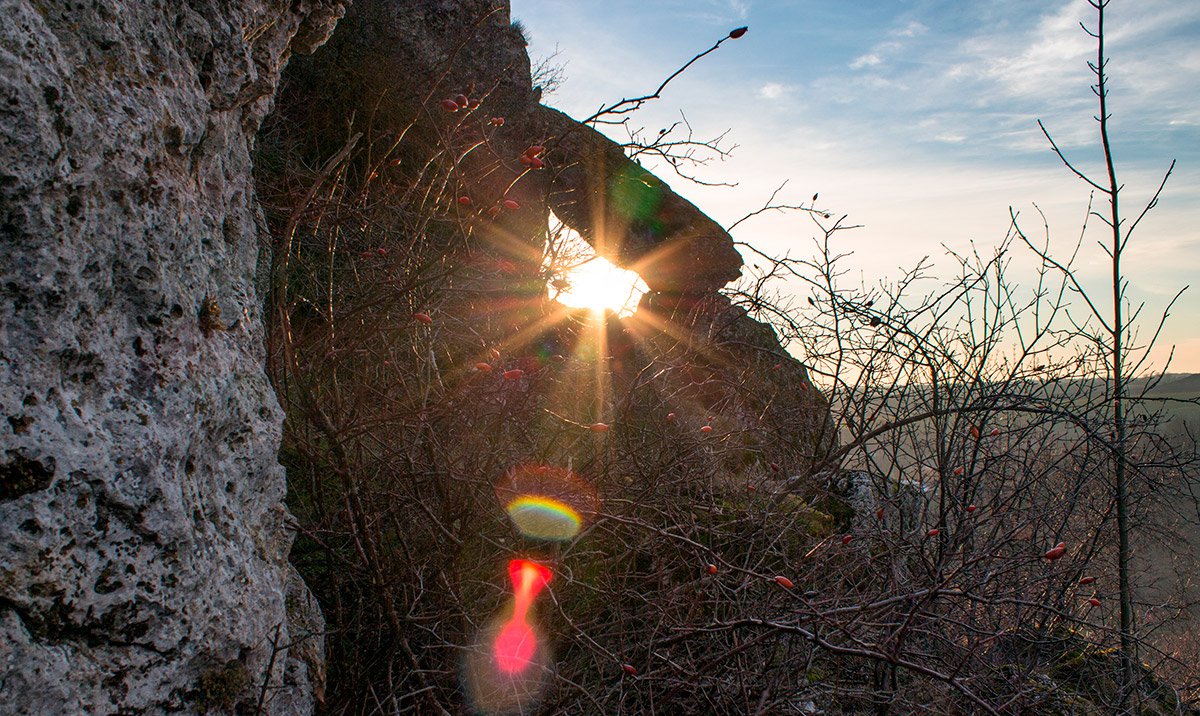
1177,385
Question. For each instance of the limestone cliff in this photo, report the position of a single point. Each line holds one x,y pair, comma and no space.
142,537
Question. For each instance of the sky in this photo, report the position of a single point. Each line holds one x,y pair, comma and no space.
916,119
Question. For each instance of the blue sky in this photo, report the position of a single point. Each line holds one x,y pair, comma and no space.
916,118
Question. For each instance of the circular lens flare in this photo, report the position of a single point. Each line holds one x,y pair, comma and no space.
515,647
546,503
544,518
509,684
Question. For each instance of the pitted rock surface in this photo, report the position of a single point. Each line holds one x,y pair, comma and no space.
142,536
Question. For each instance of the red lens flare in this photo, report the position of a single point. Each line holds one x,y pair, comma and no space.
516,644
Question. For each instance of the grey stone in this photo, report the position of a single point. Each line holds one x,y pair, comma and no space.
142,536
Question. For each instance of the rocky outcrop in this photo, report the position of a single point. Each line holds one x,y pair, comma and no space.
470,48
730,365
631,216
142,538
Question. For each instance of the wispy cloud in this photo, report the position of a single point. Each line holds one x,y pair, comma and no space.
950,138
868,60
740,8
896,44
911,29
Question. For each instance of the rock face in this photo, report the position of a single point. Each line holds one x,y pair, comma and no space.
142,540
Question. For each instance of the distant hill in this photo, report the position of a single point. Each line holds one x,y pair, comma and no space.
1178,385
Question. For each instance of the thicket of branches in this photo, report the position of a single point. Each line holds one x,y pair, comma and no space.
915,571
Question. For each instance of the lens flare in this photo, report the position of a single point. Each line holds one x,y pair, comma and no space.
505,671
546,503
516,644
544,518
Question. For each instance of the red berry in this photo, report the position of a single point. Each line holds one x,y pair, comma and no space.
534,150
423,318
535,163
496,121
784,582
1055,552
494,211
975,432
995,432
464,200
1086,580
706,429
462,101
712,569
510,204
847,539
774,467
483,367
598,428
671,417
971,508
514,374
449,105
933,532
1094,602
958,471
629,669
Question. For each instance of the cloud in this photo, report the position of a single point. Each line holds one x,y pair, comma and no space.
888,48
740,8
912,29
1044,62
869,60
772,90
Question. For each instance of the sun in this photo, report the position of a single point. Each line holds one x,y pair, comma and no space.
591,281
598,285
